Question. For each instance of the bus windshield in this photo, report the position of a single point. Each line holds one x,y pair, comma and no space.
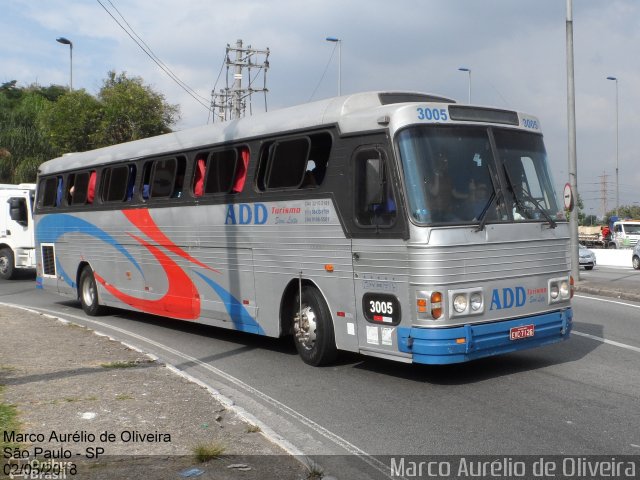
454,176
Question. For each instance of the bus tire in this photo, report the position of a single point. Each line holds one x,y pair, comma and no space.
313,330
636,262
7,264
88,293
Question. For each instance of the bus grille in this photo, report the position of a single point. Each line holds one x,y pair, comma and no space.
48,260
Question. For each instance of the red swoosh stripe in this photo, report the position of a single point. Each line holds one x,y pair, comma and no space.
141,218
181,299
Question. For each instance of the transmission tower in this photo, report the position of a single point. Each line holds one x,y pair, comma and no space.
231,102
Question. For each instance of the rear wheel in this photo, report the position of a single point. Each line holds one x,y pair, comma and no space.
88,293
313,329
636,262
7,265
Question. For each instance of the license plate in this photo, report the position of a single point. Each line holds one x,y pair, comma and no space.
519,333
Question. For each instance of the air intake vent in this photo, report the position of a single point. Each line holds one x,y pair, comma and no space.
48,260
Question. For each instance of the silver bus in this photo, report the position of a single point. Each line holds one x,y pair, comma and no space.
399,225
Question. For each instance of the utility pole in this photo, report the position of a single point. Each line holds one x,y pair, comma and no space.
573,160
230,103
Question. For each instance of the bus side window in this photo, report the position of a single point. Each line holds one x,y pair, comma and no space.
80,188
163,178
221,168
287,163
47,192
115,183
375,202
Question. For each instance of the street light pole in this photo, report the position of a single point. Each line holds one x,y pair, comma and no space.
468,70
615,79
66,41
339,42
573,156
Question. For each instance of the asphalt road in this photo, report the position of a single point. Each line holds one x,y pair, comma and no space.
613,276
577,398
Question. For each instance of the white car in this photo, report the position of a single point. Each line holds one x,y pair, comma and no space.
587,258
635,258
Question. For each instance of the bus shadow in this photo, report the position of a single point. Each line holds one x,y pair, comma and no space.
244,341
572,350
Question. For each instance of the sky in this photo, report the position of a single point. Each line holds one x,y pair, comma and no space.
516,51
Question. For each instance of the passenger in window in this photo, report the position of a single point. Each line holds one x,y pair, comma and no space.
440,190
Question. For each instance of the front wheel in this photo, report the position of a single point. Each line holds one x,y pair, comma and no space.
88,293
7,265
313,329
636,262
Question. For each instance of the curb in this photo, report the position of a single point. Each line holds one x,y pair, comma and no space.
607,292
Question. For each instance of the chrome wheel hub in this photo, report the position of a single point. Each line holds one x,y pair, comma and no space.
304,327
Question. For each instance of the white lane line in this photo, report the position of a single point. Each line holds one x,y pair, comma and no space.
345,444
608,342
600,299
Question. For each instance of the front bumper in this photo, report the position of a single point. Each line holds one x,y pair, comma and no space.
440,345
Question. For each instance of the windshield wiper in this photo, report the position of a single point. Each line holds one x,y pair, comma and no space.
484,215
528,197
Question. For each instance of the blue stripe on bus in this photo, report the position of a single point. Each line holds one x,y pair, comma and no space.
51,227
241,319
439,346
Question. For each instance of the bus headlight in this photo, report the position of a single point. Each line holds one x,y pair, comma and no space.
560,290
460,302
465,302
476,301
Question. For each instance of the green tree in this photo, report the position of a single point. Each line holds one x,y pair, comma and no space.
22,142
132,110
39,123
71,124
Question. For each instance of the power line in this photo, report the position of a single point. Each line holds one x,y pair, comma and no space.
147,50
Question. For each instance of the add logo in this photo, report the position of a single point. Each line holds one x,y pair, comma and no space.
510,298
244,214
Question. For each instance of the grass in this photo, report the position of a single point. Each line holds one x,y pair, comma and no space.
314,471
8,420
208,451
123,396
253,429
129,364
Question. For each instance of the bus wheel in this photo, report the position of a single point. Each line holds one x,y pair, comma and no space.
7,266
313,329
636,262
88,293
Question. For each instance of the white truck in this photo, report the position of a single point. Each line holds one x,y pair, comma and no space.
17,243
625,233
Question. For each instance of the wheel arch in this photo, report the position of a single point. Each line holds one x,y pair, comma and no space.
287,306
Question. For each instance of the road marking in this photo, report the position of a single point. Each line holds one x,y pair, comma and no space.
608,342
599,299
345,444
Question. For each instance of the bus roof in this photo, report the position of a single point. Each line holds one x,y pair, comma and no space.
353,113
